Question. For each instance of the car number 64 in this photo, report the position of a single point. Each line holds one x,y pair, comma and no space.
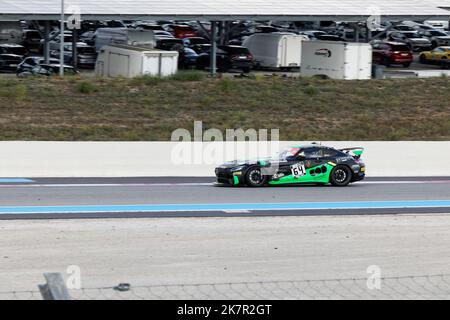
298,170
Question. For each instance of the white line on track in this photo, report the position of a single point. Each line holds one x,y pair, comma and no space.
107,185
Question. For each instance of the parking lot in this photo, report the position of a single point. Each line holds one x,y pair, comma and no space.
240,47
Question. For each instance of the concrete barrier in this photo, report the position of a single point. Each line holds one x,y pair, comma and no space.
138,159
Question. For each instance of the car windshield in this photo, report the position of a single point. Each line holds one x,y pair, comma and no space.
400,48
288,153
412,35
437,33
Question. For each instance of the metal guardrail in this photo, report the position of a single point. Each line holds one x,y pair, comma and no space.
428,287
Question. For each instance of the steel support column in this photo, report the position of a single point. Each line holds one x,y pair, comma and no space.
61,47
46,41
213,53
74,48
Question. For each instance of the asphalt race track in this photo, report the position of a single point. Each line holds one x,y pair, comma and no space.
71,198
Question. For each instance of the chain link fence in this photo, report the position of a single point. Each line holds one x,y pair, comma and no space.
431,287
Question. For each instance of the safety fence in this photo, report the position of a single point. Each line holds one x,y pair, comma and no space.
429,287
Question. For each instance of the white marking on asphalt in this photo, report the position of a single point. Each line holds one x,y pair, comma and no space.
194,184
236,211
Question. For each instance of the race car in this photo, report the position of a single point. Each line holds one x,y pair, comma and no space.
308,164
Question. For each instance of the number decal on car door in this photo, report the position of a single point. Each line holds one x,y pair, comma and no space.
298,170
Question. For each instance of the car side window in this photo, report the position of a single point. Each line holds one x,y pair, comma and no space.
329,153
313,153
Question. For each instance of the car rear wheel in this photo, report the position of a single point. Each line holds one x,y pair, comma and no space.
254,178
406,65
341,176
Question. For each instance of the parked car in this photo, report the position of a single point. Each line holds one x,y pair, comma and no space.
438,38
192,42
182,31
162,34
228,57
388,53
412,38
440,55
47,70
441,25
88,37
32,40
31,62
403,27
189,59
267,29
146,26
87,55
55,43
170,44
11,48
9,62
201,48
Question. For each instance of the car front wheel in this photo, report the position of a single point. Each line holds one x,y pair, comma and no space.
254,178
341,176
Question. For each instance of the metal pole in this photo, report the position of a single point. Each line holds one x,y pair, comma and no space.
74,48
213,54
61,47
46,42
55,288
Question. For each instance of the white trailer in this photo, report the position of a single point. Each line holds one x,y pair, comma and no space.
276,50
337,60
10,32
128,61
140,38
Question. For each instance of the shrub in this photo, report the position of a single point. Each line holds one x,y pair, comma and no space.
311,90
86,87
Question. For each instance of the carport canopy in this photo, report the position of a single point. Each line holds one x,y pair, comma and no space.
227,10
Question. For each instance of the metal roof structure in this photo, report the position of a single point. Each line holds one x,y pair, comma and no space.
220,10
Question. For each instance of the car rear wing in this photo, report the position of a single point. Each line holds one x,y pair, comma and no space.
354,152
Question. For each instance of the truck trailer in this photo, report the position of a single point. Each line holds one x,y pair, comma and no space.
337,60
276,50
129,62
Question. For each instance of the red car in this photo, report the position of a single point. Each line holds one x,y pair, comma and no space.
388,53
182,31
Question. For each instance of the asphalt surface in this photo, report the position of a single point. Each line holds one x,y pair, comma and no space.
69,198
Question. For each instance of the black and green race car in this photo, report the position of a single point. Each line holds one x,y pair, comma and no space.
310,164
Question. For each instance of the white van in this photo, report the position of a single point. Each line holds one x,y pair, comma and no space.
337,60
276,50
140,38
129,62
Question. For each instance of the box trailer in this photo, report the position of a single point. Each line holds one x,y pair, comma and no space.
337,60
276,50
130,62
11,32
139,38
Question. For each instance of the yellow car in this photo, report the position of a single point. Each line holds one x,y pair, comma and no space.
439,55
